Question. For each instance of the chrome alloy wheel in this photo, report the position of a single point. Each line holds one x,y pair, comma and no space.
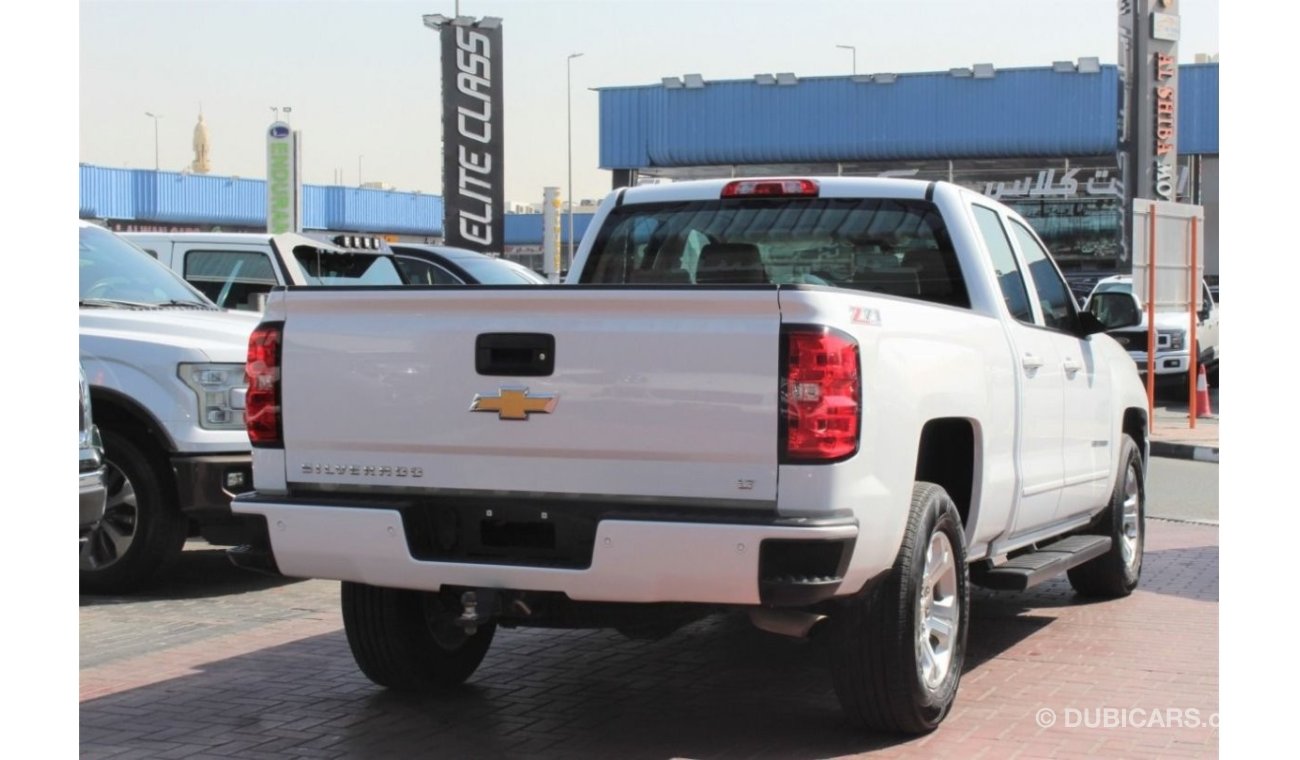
937,613
1131,525
108,540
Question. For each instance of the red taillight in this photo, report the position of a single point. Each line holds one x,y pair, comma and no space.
262,371
771,188
822,395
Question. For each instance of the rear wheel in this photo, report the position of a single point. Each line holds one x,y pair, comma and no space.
408,640
141,529
898,650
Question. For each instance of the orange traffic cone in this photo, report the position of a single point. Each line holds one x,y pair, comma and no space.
1203,395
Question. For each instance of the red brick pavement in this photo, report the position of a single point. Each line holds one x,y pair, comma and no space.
239,668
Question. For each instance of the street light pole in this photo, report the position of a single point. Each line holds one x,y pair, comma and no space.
155,118
854,51
568,95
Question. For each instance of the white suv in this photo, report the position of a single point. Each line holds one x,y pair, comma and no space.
166,374
1173,357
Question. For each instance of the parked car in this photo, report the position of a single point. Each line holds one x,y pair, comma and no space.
444,265
1111,301
91,456
1082,283
237,269
165,369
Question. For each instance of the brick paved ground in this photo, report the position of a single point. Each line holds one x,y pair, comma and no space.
221,664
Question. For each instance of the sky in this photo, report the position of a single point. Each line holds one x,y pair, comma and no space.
363,78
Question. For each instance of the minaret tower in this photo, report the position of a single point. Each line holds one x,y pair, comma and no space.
202,164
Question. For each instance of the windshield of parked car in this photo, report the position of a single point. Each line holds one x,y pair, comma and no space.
498,272
333,268
893,246
113,271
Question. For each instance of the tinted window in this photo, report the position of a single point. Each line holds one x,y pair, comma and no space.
499,272
899,247
1053,294
232,279
330,268
1010,278
421,272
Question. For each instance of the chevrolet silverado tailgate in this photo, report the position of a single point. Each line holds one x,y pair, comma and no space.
551,390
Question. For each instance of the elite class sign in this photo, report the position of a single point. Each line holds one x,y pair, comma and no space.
472,136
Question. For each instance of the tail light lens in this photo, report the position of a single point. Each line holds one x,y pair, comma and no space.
262,404
821,397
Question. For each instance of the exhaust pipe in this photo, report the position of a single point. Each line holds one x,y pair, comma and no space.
791,623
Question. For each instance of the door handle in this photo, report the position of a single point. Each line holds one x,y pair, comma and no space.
1071,366
1031,361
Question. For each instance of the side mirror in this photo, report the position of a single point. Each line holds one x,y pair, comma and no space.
1089,324
1112,311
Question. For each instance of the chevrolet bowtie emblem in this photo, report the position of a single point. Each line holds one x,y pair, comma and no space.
515,404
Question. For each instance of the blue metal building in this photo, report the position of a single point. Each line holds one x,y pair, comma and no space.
1032,113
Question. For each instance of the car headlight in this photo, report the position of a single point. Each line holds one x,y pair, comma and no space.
219,408
1174,340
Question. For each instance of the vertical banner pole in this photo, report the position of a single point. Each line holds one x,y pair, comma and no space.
1193,351
1151,317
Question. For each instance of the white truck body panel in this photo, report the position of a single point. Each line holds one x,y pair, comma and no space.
638,375
633,561
137,353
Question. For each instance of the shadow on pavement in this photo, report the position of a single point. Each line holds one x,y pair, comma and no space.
202,570
716,688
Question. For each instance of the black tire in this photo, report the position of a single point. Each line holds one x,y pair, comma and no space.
142,529
1116,573
404,640
876,638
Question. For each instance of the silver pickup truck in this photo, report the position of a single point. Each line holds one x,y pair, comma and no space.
832,403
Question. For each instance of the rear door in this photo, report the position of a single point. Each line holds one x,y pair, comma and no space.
604,391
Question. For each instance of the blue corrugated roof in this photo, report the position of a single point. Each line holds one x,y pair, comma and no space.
526,229
149,196
1031,112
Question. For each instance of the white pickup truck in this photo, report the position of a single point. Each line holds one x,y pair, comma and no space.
830,402
164,367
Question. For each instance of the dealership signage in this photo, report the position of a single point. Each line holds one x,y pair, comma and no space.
283,180
1148,48
473,185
